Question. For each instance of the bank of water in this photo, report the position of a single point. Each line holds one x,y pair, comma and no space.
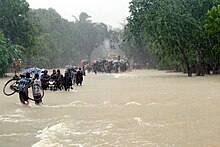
138,108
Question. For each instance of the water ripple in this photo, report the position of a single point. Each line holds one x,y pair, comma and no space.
133,103
154,124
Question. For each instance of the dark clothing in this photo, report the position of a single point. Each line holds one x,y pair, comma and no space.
68,80
45,77
60,81
53,76
23,94
38,100
79,77
45,81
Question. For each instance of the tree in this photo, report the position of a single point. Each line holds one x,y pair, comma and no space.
7,54
15,25
136,49
88,35
212,28
173,30
54,39
4,56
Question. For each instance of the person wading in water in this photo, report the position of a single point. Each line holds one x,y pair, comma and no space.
23,94
36,90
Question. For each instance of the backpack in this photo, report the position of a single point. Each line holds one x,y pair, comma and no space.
37,87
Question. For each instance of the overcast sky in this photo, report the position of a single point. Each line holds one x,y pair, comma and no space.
110,12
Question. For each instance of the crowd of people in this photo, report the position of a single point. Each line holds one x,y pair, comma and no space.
58,81
44,81
108,66
72,76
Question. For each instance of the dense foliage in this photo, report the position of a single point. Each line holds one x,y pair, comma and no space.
17,33
212,28
173,32
180,35
8,53
44,38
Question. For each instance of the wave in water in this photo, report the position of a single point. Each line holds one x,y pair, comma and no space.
133,103
154,124
81,104
16,134
71,133
14,117
168,103
49,136
72,104
118,76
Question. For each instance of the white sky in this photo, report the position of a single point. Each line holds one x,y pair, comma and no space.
110,12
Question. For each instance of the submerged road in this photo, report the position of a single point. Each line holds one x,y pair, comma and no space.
138,108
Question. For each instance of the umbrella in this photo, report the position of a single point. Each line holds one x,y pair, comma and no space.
122,60
84,61
33,70
68,66
115,61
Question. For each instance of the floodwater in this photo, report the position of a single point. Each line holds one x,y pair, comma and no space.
146,108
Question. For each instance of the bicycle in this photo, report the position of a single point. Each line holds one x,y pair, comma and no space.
12,86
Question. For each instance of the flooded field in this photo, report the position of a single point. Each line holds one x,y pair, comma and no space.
139,108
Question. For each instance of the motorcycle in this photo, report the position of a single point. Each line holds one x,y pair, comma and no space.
52,85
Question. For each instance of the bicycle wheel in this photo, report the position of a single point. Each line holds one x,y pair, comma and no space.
10,87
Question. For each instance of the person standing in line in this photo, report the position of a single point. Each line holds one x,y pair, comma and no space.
79,77
53,80
45,80
60,80
68,78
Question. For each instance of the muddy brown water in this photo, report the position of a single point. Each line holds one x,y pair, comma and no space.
139,108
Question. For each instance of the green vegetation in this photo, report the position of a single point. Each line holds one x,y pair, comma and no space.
181,35
44,38
8,52
173,33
